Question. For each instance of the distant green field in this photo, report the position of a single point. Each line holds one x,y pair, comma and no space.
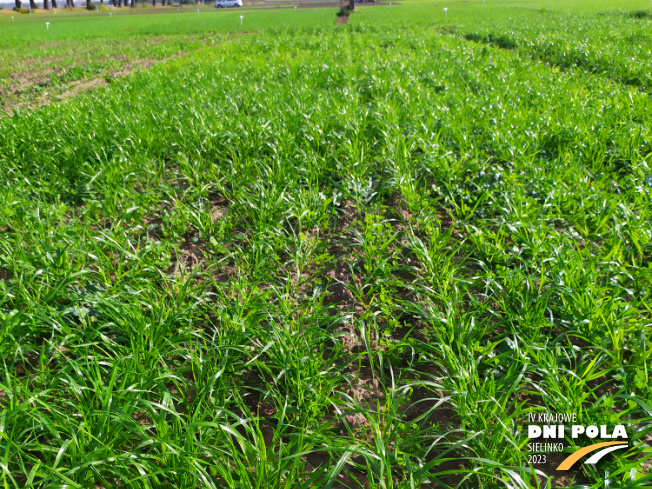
38,64
297,254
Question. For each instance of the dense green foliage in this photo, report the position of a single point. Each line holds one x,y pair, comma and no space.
615,44
329,257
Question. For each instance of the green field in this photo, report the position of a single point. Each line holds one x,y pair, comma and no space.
295,254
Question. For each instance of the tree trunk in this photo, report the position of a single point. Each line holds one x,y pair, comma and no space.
153,3
18,3
71,3
119,3
54,3
32,4
351,5
88,4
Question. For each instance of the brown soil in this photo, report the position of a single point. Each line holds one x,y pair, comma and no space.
83,87
219,206
4,274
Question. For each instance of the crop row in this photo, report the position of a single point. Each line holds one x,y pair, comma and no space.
614,44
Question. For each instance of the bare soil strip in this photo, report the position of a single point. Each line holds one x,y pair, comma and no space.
86,84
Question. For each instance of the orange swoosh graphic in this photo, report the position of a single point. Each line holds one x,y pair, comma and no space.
571,459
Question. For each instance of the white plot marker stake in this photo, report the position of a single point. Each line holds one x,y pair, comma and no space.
241,17
197,11
446,11
47,26
12,18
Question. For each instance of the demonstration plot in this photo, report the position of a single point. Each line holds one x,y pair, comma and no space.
367,256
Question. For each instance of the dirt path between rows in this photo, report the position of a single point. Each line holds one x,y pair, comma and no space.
86,84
